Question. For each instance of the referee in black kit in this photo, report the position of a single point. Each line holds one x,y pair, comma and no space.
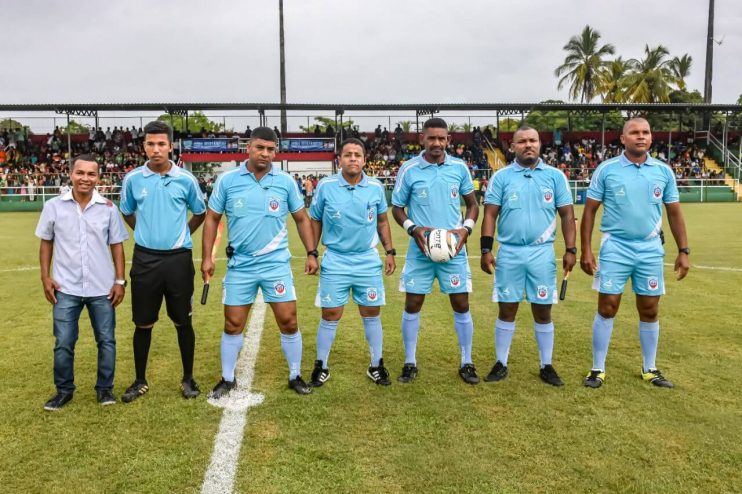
155,199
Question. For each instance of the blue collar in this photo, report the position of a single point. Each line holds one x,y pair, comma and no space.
626,161
520,168
174,170
245,171
344,183
425,163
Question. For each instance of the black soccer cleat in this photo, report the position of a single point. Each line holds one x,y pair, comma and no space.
105,397
469,374
319,374
549,375
56,402
222,389
409,373
594,379
498,372
655,377
379,374
190,389
298,385
137,389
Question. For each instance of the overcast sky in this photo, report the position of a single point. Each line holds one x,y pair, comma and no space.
338,51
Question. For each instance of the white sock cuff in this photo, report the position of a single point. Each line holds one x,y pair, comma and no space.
505,325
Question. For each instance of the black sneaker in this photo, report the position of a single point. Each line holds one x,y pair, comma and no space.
409,373
498,372
222,389
549,375
137,389
319,374
190,389
594,379
57,401
298,385
469,374
655,377
105,397
379,374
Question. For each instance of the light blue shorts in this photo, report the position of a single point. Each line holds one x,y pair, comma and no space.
525,268
333,290
619,260
419,272
240,286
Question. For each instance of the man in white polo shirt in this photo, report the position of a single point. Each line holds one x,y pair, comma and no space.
78,228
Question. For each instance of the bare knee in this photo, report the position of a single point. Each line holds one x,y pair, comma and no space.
459,302
234,324
332,313
541,313
413,303
366,311
507,311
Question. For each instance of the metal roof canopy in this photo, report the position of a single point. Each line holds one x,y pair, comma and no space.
421,108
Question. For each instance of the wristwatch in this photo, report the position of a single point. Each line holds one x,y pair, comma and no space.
120,282
314,253
391,252
571,250
684,250
486,251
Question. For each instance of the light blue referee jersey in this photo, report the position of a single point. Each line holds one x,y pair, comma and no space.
432,193
348,214
633,196
256,213
528,201
161,203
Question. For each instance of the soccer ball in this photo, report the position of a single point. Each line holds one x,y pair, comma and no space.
440,245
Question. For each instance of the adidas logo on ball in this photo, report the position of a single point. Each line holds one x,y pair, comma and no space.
441,245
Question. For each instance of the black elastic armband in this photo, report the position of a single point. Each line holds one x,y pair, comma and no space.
486,242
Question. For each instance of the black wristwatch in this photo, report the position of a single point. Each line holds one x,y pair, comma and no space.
313,253
486,251
571,250
684,250
391,252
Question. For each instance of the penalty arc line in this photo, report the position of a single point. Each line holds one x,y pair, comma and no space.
220,475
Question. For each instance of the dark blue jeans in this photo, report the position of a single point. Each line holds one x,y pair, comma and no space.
66,329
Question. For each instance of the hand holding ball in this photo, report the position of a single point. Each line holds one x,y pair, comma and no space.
440,245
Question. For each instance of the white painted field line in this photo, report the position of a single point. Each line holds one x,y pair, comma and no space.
222,469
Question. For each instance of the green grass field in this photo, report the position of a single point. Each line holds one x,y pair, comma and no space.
436,435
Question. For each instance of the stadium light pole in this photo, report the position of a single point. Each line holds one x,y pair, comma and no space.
709,55
283,67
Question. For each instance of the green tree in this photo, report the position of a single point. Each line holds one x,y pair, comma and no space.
196,122
680,68
454,127
406,125
75,128
611,80
467,127
325,122
582,64
650,78
509,125
10,124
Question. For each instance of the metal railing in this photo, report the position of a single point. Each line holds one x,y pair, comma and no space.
730,160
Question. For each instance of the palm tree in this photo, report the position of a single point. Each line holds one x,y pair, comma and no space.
454,127
611,80
406,125
650,77
680,68
583,61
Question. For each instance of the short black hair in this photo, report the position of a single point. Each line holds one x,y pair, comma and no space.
352,140
83,157
264,133
159,127
524,128
435,123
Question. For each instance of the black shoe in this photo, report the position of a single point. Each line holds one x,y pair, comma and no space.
549,375
379,374
409,373
319,374
469,374
498,372
137,389
57,401
190,389
594,379
298,385
222,389
655,377
105,397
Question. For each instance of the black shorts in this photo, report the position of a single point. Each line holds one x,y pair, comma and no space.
161,273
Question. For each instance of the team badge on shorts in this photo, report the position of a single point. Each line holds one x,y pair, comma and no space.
656,191
548,196
653,283
454,191
280,288
542,292
273,204
370,213
371,294
455,280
